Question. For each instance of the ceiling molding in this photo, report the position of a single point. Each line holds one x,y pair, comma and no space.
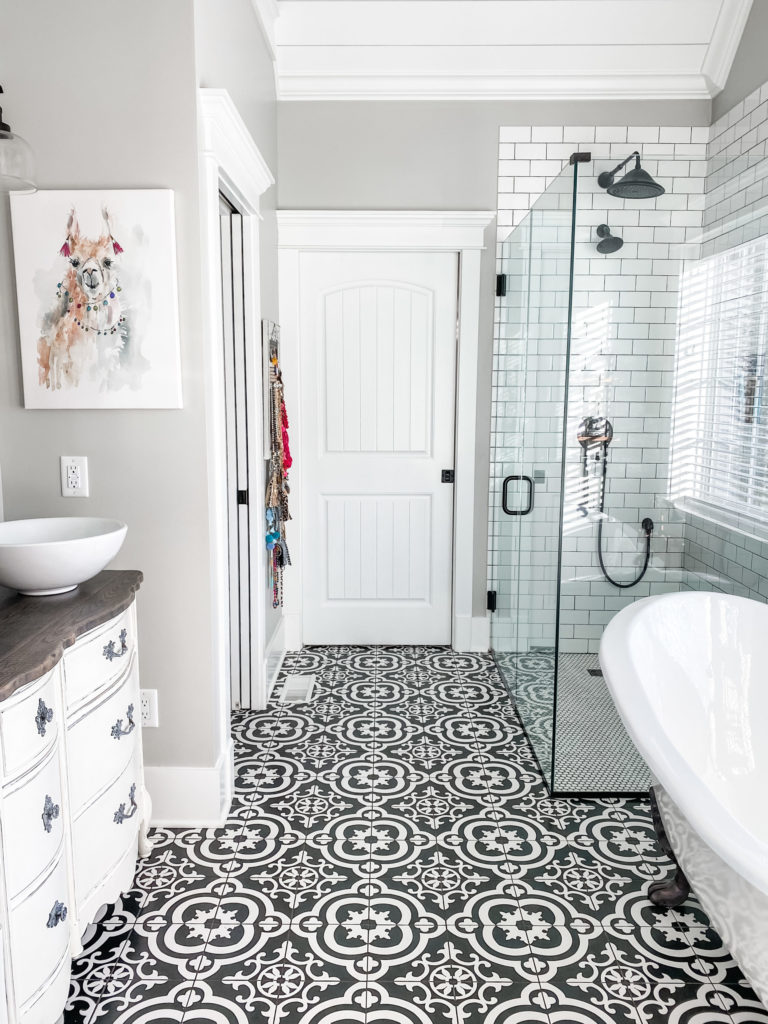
503,50
267,13
466,87
725,42
434,230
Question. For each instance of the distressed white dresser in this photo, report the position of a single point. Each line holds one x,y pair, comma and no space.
73,809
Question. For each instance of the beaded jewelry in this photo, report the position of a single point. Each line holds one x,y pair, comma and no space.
276,499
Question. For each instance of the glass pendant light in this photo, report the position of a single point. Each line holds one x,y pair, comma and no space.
17,161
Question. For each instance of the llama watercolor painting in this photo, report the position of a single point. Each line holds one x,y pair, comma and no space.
87,333
98,309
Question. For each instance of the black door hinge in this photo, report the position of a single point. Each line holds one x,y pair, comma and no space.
242,497
491,605
501,285
448,476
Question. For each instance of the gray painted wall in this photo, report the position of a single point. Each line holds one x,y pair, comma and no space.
148,468
750,64
433,155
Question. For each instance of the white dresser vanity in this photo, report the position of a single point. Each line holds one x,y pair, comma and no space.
73,809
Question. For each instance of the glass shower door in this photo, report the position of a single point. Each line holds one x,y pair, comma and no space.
529,401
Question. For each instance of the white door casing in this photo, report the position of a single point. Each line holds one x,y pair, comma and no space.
378,348
230,164
460,233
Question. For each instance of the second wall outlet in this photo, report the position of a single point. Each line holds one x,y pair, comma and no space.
74,476
149,717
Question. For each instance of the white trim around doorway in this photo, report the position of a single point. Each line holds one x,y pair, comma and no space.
231,164
461,232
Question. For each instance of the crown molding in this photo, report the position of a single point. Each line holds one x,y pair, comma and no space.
725,42
505,50
435,230
267,13
297,86
223,132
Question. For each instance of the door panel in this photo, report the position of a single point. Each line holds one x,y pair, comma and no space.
367,559
378,352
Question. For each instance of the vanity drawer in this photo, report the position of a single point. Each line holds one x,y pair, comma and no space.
39,927
33,825
101,742
29,721
47,1003
105,831
99,657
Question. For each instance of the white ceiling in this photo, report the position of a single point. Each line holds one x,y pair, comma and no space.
502,49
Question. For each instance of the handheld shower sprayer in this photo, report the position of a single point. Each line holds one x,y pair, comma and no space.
594,434
594,430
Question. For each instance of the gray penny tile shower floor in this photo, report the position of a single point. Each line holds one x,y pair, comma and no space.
593,753
392,857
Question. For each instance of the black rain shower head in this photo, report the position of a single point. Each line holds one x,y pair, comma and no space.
636,184
608,243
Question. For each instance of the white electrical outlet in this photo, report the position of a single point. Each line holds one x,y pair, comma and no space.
74,476
149,717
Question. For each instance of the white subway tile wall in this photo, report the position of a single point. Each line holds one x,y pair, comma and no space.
621,366
736,211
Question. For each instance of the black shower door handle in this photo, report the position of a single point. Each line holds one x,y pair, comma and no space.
516,511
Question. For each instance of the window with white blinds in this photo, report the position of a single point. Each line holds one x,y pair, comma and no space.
720,429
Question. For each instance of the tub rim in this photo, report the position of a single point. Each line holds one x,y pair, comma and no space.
714,822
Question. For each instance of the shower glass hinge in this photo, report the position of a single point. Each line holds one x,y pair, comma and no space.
447,476
501,285
242,497
491,605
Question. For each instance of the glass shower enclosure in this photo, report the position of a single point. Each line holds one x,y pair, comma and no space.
580,522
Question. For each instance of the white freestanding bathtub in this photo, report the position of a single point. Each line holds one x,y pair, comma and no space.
689,675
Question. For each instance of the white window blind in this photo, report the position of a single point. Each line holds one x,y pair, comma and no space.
720,429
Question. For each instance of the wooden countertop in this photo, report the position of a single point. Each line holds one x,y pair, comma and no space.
34,631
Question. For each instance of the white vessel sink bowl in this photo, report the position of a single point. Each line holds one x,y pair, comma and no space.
51,556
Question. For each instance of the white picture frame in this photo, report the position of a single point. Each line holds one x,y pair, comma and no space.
98,299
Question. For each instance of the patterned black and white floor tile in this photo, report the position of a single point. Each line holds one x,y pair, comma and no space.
392,857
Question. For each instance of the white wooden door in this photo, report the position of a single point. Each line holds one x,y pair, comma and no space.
378,359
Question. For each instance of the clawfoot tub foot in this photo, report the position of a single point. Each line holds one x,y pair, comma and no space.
671,892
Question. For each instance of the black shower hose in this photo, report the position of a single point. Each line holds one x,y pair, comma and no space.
647,525
633,583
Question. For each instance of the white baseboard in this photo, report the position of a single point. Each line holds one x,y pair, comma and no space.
274,656
292,622
191,796
471,633
481,633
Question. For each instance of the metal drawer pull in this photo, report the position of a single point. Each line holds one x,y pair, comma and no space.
43,717
117,728
58,913
50,811
110,652
120,815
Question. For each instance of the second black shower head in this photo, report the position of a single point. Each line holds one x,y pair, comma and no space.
608,243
